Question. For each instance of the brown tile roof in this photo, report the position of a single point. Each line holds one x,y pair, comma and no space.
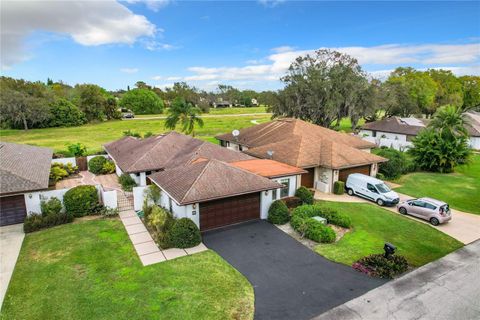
408,126
268,168
203,180
165,151
23,167
302,144
473,123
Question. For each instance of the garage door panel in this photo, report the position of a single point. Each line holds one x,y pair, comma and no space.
344,173
223,212
12,210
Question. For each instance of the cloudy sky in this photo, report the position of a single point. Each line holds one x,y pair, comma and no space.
248,44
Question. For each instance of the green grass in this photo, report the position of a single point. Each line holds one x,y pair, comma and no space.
219,111
460,189
373,226
95,135
89,270
346,124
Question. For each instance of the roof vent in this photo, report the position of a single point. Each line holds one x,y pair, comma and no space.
270,154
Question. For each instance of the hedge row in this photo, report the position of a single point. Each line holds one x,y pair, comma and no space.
36,222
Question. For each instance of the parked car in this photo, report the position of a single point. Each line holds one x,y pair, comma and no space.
371,188
127,113
429,209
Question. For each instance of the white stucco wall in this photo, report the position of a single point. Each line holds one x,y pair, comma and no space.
323,179
265,202
65,161
373,169
118,171
96,155
391,140
109,198
138,197
474,143
292,185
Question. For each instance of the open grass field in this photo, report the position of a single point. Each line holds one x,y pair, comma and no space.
373,226
95,135
460,189
89,270
214,112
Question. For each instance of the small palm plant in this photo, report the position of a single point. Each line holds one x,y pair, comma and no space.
186,113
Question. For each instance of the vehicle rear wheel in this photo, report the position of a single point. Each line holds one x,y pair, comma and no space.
379,202
434,221
350,192
402,210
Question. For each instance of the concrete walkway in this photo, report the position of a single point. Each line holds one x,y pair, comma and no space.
11,238
444,289
147,250
465,227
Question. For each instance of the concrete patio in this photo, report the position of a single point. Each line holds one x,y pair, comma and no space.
108,181
147,250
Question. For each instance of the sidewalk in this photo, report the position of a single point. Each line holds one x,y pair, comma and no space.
465,227
444,289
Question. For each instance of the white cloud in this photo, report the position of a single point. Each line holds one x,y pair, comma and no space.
89,23
153,5
129,70
270,3
154,45
157,78
429,56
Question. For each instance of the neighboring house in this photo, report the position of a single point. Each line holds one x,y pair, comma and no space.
394,132
326,155
398,132
222,104
23,170
473,128
211,185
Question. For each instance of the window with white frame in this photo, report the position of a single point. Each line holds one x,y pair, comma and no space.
284,191
274,194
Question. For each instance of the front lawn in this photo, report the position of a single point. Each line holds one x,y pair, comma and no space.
373,226
95,135
460,189
89,270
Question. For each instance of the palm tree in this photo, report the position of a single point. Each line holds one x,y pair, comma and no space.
449,121
186,113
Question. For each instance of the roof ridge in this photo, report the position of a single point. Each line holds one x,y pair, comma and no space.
132,166
196,179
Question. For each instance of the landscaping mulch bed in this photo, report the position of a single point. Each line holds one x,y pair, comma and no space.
287,228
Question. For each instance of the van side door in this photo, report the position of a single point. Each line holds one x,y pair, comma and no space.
371,192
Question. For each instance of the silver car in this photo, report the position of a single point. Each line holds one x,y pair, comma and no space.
429,209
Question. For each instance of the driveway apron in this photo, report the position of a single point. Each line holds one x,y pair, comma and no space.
11,238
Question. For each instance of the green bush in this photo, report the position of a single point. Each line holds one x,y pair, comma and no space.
81,201
184,234
52,206
305,195
70,168
318,232
36,222
95,165
65,114
126,182
398,163
109,212
332,216
77,149
57,173
379,266
338,187
141,101
161,221
292,202
278,213
108,167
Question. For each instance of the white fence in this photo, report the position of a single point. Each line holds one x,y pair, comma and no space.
389,143
73,161
138,197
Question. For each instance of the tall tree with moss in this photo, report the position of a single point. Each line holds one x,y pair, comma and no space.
186,114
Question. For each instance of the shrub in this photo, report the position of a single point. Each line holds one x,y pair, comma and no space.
338,187
153,193
379,266
70,168
184,234
126,182
95,165
57,173
398,163
278,213
36,222
305,195
147,134
317,231
109,212
81,200
65,114
333,217
292,202
162,222
146,209
52,206
130,133
108,167
77,149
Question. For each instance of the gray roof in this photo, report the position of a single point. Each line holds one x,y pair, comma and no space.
473,123
23,167
165,151
204,180
408,126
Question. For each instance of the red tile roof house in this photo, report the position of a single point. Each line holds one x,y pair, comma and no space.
23,170
211,185
325,154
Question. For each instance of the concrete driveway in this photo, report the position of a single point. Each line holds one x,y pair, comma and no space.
444,289
11,238
465,227
290,281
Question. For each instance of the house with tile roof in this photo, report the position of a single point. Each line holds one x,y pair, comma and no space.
211,185
23,170
326,155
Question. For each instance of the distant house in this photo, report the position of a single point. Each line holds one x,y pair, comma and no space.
254,102
222,104
211,185
398,132
326,155
23,170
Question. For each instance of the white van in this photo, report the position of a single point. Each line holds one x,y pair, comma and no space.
371,189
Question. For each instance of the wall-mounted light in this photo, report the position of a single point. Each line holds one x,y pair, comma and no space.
30,195
194,206
266,192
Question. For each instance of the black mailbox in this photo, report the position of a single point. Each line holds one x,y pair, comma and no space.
389,249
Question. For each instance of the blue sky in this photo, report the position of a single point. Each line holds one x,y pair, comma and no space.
248,44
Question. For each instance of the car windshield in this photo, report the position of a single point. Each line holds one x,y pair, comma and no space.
382,188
